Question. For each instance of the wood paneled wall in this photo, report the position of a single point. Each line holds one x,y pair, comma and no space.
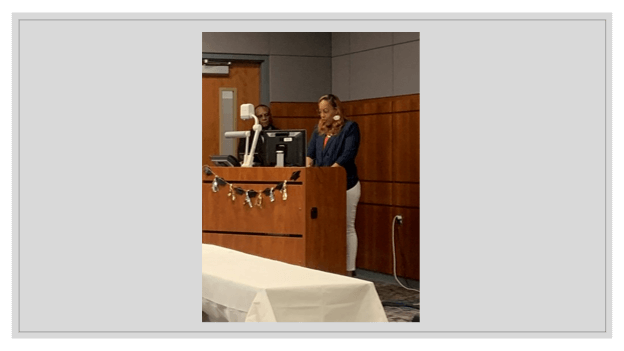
389,169
295,115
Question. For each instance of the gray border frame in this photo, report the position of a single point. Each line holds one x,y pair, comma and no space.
18,17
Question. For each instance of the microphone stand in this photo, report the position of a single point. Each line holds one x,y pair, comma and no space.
248,159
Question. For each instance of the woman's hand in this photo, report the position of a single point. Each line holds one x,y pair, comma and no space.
336,165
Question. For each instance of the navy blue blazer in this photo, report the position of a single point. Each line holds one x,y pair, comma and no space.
341,148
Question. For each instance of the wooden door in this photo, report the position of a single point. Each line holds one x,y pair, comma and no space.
245,78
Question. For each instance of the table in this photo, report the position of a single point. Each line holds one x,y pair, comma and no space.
238,287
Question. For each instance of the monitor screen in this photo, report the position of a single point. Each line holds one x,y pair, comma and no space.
292,141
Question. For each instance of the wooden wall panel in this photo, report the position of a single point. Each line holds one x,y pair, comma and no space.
374,242
406,194
295,115
406,186
374,231
406,142
369,107
374,159
294,109
376,192
347,108
406,103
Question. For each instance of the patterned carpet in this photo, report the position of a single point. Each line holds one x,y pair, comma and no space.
399,303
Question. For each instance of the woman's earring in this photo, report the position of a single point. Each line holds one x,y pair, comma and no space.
336,117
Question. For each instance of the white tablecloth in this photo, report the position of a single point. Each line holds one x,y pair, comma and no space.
238,287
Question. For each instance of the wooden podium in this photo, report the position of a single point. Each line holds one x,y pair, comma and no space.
307,229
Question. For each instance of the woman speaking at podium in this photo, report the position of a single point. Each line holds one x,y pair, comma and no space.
334,143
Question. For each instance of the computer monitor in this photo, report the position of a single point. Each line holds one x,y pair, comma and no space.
292,141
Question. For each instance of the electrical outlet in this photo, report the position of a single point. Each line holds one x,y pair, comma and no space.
399,219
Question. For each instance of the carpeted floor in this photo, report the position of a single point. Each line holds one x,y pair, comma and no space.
400,304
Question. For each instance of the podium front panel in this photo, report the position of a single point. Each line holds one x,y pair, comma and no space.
222,214
280,248
308,228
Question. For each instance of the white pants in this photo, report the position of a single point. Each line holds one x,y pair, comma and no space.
353,197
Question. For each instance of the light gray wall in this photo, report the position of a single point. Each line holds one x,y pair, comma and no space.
372,65
299,63
353,66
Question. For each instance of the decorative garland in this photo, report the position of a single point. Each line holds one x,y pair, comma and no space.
250,193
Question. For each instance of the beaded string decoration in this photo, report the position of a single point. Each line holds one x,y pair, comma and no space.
249,194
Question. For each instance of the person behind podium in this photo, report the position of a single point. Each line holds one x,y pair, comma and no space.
334,143
263,112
